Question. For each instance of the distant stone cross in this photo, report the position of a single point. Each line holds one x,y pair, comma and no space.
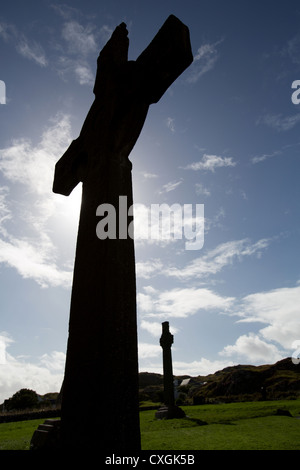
166,341
169,410
100,390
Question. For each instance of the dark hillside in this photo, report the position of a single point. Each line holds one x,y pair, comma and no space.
237,383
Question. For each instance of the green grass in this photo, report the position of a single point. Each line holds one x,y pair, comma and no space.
17,436
232,426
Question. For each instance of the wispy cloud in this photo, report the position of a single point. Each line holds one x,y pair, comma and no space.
213,262
8,31
204,61
210,163
217,259
170,123
32,50
75,44
171,186
265,156
292,49
202,190
29,49
148,175
279,122
5,213
79,39
81,42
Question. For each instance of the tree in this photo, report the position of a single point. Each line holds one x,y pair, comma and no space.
22,399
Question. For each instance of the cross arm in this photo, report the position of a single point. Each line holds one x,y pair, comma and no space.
122,86
166,57
68,169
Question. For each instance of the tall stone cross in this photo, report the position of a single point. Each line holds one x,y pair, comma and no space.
100,389
169,410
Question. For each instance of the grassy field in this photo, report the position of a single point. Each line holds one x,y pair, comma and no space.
232,426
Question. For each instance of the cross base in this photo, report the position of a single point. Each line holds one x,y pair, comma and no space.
169,412
47,436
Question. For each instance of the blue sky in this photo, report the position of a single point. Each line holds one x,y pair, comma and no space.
225,134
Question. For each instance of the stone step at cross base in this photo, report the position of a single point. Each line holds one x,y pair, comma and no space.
46,436
169,412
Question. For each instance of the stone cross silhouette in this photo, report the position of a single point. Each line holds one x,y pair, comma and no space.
169,410
100,389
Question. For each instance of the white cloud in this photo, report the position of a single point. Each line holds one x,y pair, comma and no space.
147,350
279,310
148,268
180,302
54,361
84,74
32,166
252,348
32,260
5,213
204,61
155,328
210,162
5,341
17,374
201,367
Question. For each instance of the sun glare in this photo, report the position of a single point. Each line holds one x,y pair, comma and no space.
72,204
